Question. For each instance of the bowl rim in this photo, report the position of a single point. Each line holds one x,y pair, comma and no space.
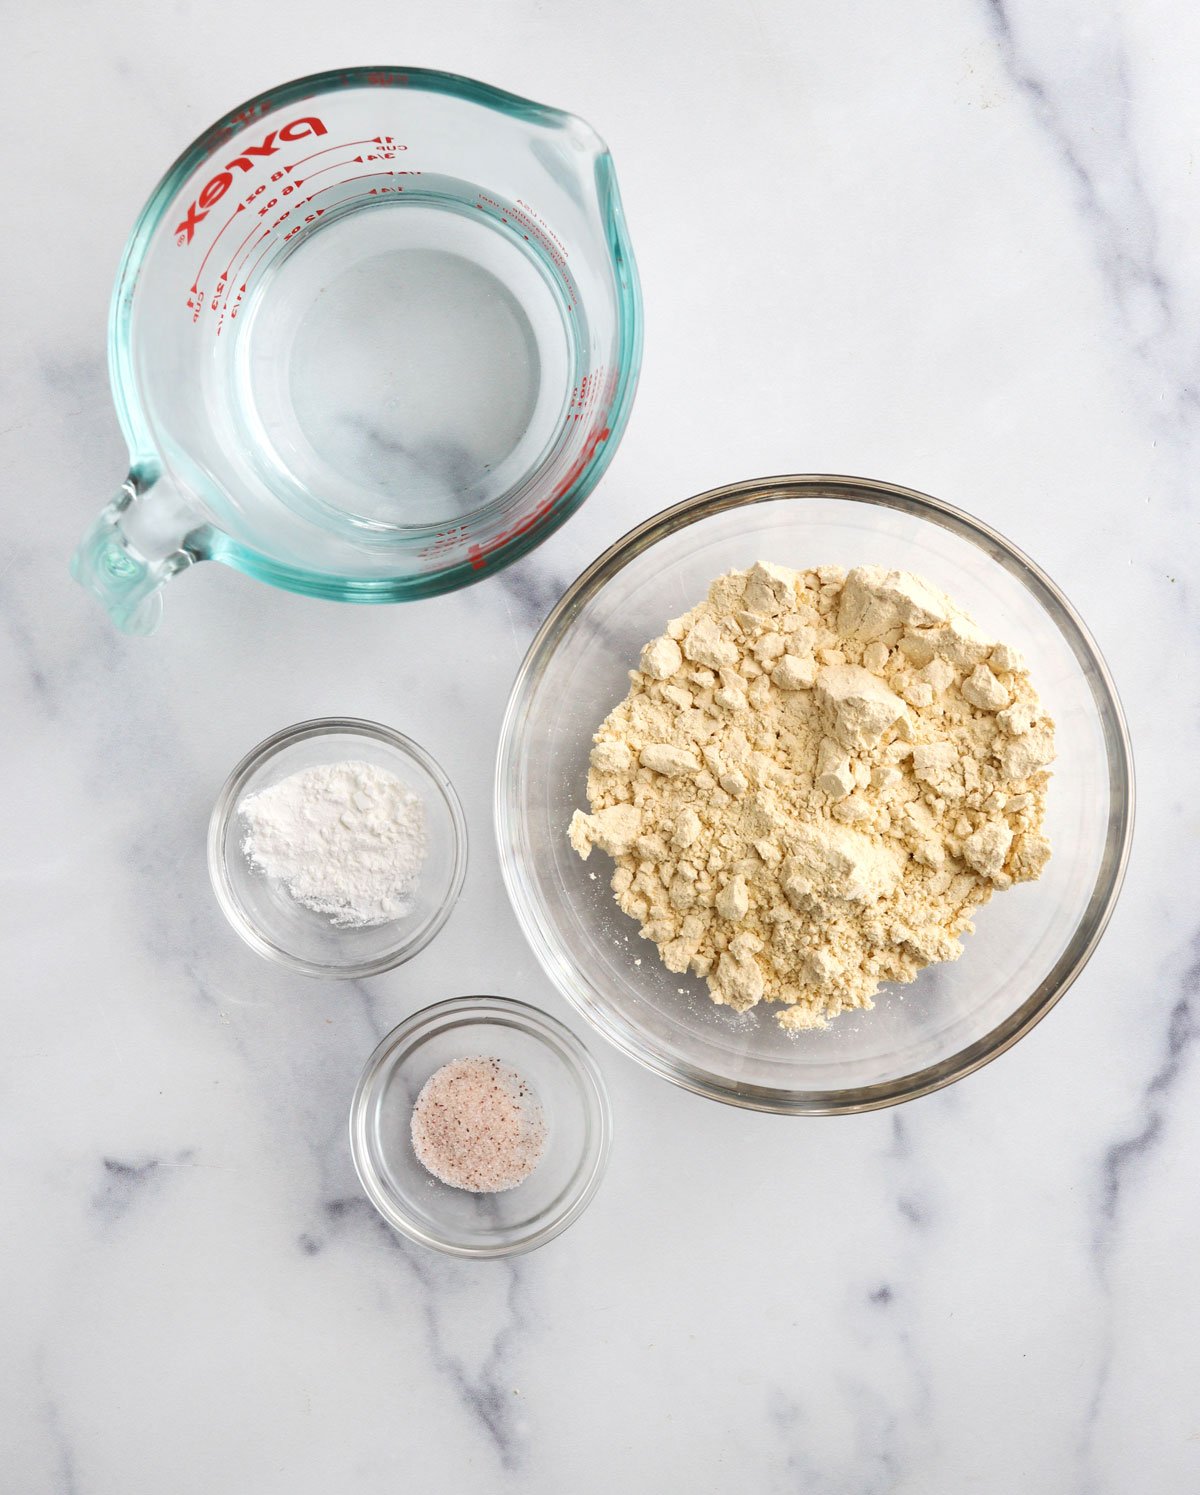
575,986
547,1030
225,809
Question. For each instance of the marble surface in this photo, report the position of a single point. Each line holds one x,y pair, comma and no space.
954,246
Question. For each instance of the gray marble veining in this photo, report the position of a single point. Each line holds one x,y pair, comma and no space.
950,247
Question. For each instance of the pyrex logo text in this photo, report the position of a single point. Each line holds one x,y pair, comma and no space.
216,187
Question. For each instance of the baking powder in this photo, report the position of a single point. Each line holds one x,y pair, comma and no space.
345,839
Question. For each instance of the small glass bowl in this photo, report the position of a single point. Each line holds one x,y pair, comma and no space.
562,1075
265,914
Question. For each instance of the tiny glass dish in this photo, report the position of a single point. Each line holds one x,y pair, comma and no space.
262,910
565,1081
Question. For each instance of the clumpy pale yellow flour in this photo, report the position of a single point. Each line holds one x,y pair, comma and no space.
814,779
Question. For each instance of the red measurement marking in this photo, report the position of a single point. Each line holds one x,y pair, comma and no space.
213,245
253,268
363,177
353,161
233,278
241,290
345,145
478,554
237,251
299,228
333,166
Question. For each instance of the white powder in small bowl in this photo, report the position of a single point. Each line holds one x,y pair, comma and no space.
347,840
477,1126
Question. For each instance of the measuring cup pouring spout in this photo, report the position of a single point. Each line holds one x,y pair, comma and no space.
375,335
145,535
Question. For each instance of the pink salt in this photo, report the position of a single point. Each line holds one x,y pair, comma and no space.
478,1126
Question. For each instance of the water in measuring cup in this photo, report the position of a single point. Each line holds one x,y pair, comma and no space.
404,365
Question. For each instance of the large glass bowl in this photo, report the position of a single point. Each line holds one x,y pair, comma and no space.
1030,942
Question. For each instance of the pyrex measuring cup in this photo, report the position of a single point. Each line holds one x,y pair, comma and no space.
375,334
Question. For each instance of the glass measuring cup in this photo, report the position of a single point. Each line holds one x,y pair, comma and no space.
375,334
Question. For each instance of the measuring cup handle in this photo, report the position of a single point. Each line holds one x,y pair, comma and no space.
141,539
